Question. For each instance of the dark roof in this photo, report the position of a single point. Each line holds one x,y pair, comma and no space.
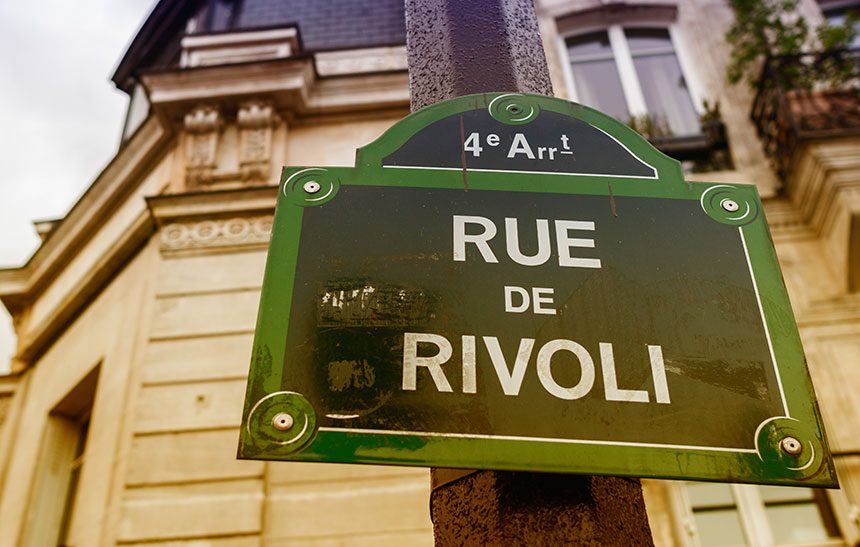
323,25
331,24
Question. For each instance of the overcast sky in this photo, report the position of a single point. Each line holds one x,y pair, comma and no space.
60,114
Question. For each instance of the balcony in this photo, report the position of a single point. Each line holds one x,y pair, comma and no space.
803,97
704,151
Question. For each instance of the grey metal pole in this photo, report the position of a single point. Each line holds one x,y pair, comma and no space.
458,47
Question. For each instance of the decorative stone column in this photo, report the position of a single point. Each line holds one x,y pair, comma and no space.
202,128
255,120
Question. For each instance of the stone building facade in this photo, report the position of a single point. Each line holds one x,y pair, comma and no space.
135,317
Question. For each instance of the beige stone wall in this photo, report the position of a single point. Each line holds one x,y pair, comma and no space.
183,481
106,334
12,390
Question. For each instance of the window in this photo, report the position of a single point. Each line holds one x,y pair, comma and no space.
217,16
633,74
61,461
835,13
740,515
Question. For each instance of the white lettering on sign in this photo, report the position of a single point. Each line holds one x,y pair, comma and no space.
472,144
411,361
470,375
586,365
512,241
610,379
520,147
540,296
564,243
480,240
511,380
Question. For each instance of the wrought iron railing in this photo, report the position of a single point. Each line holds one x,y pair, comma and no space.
806,96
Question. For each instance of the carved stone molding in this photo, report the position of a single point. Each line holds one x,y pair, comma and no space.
202,126
215,233
255,120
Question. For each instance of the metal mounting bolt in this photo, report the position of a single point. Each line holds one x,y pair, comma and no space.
730,205
282,421
312,187
791,446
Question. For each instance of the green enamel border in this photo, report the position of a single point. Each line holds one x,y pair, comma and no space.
771,467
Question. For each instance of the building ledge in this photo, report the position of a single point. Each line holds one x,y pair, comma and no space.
289,84
220,48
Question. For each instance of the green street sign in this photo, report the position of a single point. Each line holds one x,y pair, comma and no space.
509,281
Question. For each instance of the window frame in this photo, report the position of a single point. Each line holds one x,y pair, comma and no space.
752,513
631,87
62,457
843,6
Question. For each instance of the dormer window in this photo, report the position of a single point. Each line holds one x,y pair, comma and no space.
216,16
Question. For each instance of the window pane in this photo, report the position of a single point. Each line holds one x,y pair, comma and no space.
666,95
222,15
704,494
589,44
800,523
645,39
719,528
785,493
598,86
836,17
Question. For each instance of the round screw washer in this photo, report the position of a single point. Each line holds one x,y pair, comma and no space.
282,421
311,187
791,446
730,205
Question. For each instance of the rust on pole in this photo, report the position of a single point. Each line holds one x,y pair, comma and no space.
459,47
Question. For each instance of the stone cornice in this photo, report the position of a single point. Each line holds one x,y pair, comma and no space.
214,221
784,220
844,309
216,234
360,61
284,78
8,384
290,84
39,335
824,168
170,208
187,222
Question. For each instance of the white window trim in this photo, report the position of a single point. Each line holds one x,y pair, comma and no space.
752,514
688,68
626,70
751,511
